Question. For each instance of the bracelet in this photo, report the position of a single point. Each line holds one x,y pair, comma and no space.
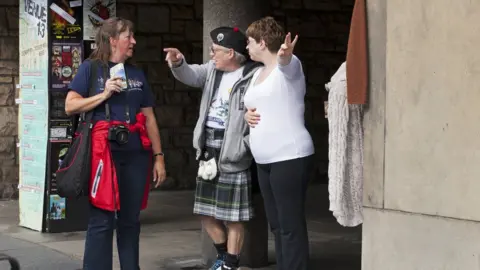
158,154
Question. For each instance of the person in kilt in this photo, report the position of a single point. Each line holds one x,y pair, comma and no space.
223,191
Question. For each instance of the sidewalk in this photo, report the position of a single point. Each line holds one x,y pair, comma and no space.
170,232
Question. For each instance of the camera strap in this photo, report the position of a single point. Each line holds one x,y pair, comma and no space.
107,106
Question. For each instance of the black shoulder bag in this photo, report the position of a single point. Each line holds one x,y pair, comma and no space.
73,174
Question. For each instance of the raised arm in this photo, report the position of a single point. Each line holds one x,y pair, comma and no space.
192,75
288,63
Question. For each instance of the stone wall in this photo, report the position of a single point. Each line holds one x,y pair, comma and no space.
322,26
8,110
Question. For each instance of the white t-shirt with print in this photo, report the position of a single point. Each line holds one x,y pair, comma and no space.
279,100
218,112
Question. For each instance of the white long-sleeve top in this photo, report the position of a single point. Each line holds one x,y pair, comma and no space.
280,134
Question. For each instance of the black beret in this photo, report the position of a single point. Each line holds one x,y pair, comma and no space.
231,38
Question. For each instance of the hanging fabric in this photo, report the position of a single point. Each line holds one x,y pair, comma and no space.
345,153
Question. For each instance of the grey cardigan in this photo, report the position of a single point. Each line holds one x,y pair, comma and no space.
235,154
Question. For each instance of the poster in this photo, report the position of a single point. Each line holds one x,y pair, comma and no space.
66,21
57,207
33,110
66,58
94,12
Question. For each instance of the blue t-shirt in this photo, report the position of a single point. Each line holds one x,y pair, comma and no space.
138,95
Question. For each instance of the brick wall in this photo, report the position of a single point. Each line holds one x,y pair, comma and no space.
321,24
8,110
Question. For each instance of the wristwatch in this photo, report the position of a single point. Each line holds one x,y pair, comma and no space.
158,154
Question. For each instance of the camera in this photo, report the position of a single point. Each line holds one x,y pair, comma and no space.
118,134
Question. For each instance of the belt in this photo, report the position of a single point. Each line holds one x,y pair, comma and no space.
218,134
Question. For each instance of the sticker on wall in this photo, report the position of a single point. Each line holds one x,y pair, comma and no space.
94,13
57,209
66,21
66,59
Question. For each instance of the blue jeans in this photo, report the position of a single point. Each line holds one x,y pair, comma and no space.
132,169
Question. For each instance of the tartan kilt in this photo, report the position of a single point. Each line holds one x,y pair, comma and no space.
228,196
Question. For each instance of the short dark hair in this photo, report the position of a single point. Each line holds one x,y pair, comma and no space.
268,30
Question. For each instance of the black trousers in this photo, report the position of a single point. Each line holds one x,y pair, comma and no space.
283,186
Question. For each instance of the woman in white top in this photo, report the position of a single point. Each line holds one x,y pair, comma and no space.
279,141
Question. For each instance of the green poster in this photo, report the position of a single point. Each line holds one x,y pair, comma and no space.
33,110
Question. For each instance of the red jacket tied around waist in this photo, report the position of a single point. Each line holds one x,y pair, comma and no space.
103,186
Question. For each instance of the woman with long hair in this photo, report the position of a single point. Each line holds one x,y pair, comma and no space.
124,137
279,141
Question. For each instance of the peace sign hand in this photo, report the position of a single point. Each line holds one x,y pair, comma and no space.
286,50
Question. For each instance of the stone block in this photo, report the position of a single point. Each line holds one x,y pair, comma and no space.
173,37
170,116
177,2
183,137
6,79
153,19
186,178
177,26
177,98
158,73
158,94
191,115
127,11
8,191
3,21
166,139
9,48
308,113
312,28
9,174
316,76
192,154
175,158
198,5
314,45
148,49
292,4
194,30
182,12
8,122
179,86
316,91
7,94
7,152
8,67
322,5
120,2
181,45
12,18
275,3
9,3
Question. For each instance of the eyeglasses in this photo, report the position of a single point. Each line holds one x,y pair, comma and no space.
213,50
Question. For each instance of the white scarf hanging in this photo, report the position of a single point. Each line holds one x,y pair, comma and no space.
345,153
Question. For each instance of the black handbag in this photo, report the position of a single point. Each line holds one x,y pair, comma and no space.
73,174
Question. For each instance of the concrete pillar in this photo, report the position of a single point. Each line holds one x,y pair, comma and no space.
239,13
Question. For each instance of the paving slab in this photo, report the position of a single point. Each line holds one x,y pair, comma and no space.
171,235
